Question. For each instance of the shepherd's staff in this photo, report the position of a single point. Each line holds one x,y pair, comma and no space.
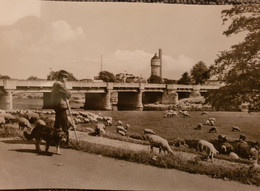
74,126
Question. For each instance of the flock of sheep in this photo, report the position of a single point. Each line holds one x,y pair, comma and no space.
241,148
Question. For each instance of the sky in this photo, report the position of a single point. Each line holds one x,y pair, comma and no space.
37,37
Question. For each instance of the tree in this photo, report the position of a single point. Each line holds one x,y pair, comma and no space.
54,76
33,78
239,67
107,76
200,73
4,77
155,79
185,79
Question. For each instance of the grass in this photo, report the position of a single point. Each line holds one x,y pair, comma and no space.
172,128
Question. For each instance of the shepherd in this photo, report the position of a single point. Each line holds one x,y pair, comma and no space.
59,96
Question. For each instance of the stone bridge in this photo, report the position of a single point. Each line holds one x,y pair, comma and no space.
98,94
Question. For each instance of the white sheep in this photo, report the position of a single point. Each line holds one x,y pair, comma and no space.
254,153
235,128
199,126
222,138
9,117
127,126
204,113
212,119
149,131
185,114
2,120
108,123
119,123
120,128
123,133
32,117
209,122
100,129
213,130
40,122
208,147
233,155
159,142
23,122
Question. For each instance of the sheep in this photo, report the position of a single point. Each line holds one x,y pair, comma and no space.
235,128
120,128
243,149
32,117
204,113
199,126
119,123
254,153
100,129
226,148
123,133
180,142
136,136
149,131
127,126
185,114
40,122
159,142
108,123
242,137
213,130
208,147
222,138
212,119
209,122
23,122
233,155
169,113
9,117
2,120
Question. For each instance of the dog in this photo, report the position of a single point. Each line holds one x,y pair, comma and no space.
50,135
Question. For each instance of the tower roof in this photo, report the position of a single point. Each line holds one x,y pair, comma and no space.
155,56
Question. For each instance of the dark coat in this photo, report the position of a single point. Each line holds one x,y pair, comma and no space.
59,94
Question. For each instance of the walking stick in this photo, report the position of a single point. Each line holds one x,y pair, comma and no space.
74,126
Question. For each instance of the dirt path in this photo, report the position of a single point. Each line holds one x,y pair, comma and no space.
21,167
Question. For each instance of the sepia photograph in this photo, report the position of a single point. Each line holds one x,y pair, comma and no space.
130,95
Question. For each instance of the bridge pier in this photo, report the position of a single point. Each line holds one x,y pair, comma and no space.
98,101
6,100
195,92
47,101
130,99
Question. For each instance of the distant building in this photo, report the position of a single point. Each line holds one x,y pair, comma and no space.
156,64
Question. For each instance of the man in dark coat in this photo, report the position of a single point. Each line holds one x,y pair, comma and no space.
59,95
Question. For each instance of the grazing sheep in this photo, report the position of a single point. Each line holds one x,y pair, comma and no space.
100,129
40,122
123,133
204,113
32,117
120,128
235,128
127,126
222,138
242,137
9,118
185,114
254,153
213,130
159,142
149,131
228,147
243,149
2,120
108,123
180,142
119,123
90,130
23,122
209,123
233,155
212,119
170,113
199,126
208,147
136,136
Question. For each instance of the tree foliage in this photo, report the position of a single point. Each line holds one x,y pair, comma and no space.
5,77
200,73
239,67
107,76
54,76
33,78
185,79
155,79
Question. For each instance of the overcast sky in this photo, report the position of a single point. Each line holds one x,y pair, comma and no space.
39,36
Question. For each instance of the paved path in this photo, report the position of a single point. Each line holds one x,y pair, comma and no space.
21,167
